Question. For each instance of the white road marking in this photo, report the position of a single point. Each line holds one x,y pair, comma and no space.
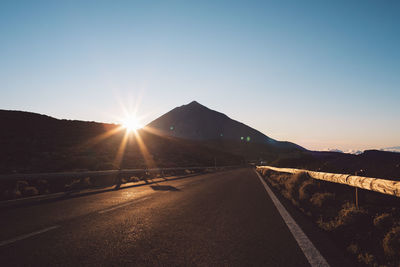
18,238
122,205
312,254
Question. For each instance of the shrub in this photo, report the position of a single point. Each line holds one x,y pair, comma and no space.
135,179
12,194
266,172
349,214
383,221
391,242
22,184
85,182
307,189
367,259
353,248
294,182
322,199
42,186
78,184
29,191
278,180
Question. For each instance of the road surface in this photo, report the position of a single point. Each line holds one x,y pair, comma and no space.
217,219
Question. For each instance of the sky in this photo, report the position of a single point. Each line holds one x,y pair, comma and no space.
322,74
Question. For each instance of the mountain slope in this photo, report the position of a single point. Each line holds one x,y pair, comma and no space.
37,143
197,122
391,149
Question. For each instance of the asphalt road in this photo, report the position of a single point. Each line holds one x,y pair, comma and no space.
216,219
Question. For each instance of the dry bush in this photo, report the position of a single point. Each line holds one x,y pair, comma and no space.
294,182
131,179
266,172
77,184
85,182
367,259
43,186
391,242
73,185
383,221
134,179
353,248
29,191
12,194
277,180
350,214
22,184
307,189
322,199
349,217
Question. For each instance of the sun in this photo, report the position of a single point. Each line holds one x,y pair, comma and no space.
131,124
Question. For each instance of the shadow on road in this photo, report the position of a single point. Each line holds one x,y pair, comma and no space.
77,194
164,188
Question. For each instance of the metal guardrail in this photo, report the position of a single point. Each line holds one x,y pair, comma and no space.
383,186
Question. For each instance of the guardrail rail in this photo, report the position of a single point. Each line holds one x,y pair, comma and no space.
383,186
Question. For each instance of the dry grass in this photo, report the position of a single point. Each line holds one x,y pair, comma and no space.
391,243
320,200
370,233
294,182
347,220
307,190
383,221
78,184
30,191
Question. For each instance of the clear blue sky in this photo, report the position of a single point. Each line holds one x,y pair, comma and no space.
323,74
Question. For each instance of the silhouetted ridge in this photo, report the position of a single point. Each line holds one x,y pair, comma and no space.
197,122
32,142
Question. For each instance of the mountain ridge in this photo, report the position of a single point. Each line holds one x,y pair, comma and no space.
33,142
198,122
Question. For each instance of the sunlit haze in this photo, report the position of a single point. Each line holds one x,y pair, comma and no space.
131,124
320,74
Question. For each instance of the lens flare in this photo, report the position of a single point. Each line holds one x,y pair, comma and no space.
131,124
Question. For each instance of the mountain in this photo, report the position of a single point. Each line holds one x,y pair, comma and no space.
216,130
32,142
197,122
391,149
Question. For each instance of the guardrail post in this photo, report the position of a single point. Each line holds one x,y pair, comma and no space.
357,197
358,173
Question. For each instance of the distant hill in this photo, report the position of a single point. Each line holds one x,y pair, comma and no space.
373,163
197,122
189,135
32,142
392,149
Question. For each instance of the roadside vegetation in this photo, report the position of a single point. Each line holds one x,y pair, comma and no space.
29,188
370,233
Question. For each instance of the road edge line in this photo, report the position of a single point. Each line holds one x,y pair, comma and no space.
21,237
312,254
